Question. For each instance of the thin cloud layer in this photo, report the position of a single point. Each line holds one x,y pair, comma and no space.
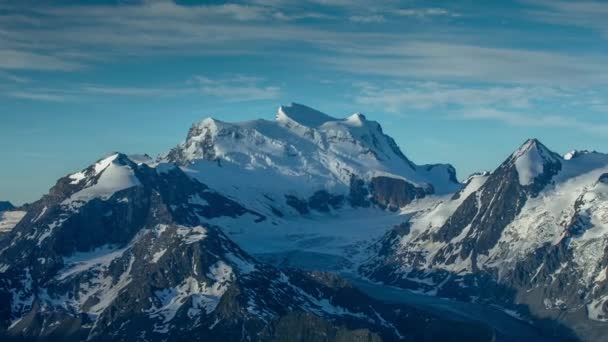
444,59
33,38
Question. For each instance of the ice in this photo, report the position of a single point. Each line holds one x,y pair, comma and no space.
346,233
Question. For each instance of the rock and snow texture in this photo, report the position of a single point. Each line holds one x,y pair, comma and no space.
537,225
132,242
124,249
300,153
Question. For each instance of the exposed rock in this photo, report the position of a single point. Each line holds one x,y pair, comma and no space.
394,193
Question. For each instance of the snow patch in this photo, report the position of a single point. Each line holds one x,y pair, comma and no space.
191,235
205,297
595,310
83,261
9,219
114,177
158,255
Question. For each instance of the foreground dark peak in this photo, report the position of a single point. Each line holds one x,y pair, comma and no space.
6,205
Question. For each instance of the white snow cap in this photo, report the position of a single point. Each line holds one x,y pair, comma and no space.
302,151
114,175
302,115
530,160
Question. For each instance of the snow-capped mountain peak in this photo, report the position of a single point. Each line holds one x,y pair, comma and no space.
301,152
531,159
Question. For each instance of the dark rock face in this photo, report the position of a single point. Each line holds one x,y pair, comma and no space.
206,146
299,205
500,200
393,193
385,192
307,327
321,201
358,196
5,205
491,209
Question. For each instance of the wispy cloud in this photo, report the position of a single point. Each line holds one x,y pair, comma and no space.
524,106
237,88
467,62
366,19
66,37
13,78
588,14
424,95
136,91
545,121
39,38
37,96
425,12
14,59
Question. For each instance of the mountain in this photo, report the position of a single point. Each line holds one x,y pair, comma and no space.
531,235
5,205
306,161
310,227
125,251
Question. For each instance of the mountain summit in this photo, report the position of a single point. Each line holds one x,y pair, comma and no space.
532,159
304,151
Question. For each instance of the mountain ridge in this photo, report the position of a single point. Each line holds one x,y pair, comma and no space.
237,208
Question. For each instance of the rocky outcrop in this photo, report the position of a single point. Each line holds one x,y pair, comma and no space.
5,205
394,193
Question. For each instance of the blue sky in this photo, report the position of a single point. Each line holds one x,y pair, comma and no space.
464,82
